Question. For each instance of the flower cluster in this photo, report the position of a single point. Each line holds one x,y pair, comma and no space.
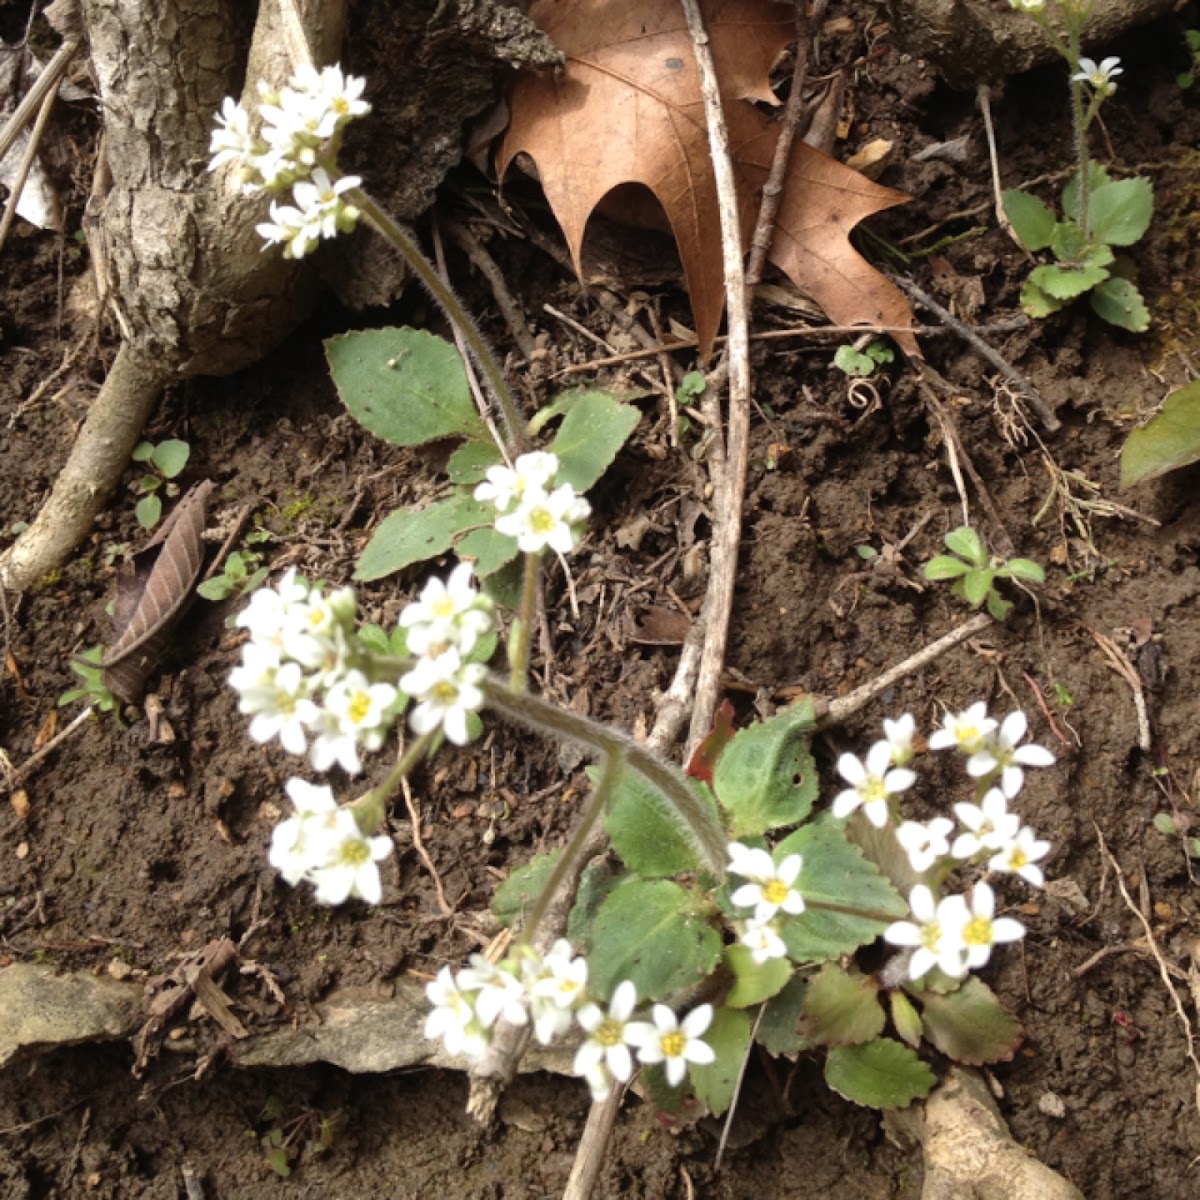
551,992
297,123
532,506
323,845
769,890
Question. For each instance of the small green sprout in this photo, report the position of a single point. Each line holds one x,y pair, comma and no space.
975,571
87,666
165,462
241,574
858,364
690,389
1171,826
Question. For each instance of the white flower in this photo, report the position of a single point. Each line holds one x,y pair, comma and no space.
556,987
990,825
605,1051
770,888
1099,77
1020,855
362,708
1028,6
506,487
314,630
447,689
298,231
899,736
761,939
925,844
934,935
1000,753
299,842
320,200
270,609
334,743
231,139
674,1043
871,784
546,519
453,1017
499,993
447,614
981,931
966,730
349,866
278,698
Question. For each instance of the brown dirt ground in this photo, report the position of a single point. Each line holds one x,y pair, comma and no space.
140,849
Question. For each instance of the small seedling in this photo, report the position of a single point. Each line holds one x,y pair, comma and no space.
165,462
286,1144
242,573
975,571
1187,79
1179,827
690,389
858,364
87,666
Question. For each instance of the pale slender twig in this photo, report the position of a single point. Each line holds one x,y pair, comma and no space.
45,83
414,816
1123,667
718,601
1163,970
983,97
17,777
26,164
1051,422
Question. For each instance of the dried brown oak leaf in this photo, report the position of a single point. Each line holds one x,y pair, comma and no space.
626,108
152,597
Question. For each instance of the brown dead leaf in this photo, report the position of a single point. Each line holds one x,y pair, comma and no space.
152,598
627,108
47,730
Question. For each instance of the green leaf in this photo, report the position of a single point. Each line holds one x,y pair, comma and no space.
519,892
170,457
715,1082
595,885
970,1025
880,1074
277,1160
469,464
148,511
1069,243
997,606
1037,303
1065,283
853,363
1119,212
1097,177
976,585
778,1030
648,831
142,452
404,385
842,1008
1169,440
653,932
945,567
220,587
754,982
375,639
1023,568
967,544
691,386
1031,220
906,1018
596,426
412,535
766,776
1119,302
488,550
835,872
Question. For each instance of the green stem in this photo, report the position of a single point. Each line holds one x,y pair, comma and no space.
522,630
1080,123
391,231
371,807
611,766
535,713
848,910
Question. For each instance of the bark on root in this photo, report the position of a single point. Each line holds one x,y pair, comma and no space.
174,247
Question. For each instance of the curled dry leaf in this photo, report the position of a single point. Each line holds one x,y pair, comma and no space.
627,108
152,598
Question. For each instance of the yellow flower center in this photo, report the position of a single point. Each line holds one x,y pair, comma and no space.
360,707
443,609
444,692
610,1032
775,891
542,521
978,932
930,935
1017,859
354,853
673,1044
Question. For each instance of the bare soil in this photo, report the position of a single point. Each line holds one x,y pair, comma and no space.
142,844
